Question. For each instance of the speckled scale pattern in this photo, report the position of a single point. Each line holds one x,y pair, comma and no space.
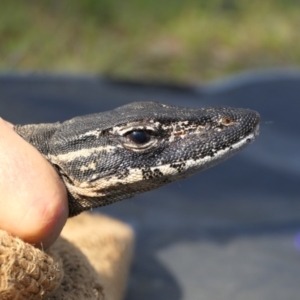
100,166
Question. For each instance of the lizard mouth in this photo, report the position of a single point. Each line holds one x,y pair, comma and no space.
223,153
254,133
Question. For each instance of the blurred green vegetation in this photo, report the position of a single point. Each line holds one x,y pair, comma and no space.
169,40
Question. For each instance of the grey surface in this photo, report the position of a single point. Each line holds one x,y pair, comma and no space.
231,232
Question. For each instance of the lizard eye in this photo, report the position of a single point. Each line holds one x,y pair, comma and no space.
139,137
140,140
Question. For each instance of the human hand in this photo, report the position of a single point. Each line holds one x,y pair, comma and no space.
33,199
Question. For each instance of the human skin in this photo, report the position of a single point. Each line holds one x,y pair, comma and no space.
33,199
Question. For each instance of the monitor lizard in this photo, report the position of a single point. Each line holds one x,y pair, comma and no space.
109,156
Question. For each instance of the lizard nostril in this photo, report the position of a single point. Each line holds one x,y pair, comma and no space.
226,121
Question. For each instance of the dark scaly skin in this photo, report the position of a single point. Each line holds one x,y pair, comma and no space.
100,161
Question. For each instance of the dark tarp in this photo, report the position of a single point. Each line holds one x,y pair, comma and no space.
229,233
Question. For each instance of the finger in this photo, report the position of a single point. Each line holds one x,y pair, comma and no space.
33,199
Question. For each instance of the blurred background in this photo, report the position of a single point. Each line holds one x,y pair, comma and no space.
231,232
171,40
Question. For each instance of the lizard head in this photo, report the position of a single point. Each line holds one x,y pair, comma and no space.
138,147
